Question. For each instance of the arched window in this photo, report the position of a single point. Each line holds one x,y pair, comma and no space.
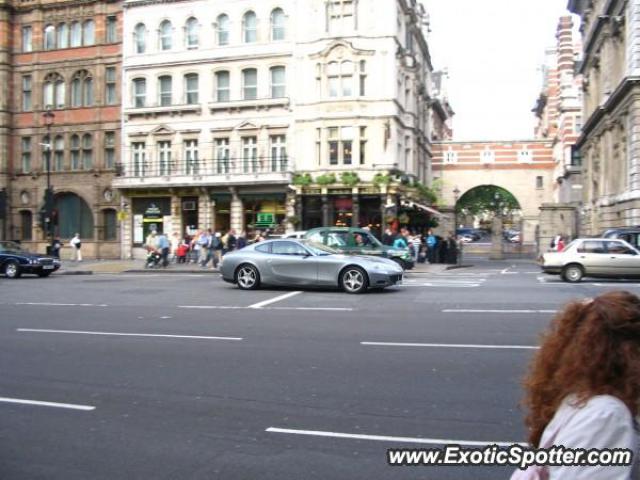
53,88
81,89
88,33
249,84
191,88
222,27
109,224
140,38
278,82
87,91
49,37
191,33
76,34
75,152
139,92
58,154
165,90
63,35
277,24
250,27
166,35
26,225
87,151
74,216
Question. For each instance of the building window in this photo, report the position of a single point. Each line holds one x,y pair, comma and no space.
165,89
578,124
340,79
87,152
26,93
487,156
278,153
75,152
49,37
222,87
249,27
222,28
88,33
63,35
87,91
450,157
54,94
164,157
140,38
333,146
26,224
191,88
277,24
340,16
318,146
27,39
363,145
26,154
76,35
191,157
250,84
112,29
363,78
110,86
139,92
525,156
191,33
109,220
109,150
539,182
166,35
222,155
58,154
139,158
341,145
278,82
82,89
249,155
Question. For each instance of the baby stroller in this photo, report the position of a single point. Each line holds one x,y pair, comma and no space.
153,259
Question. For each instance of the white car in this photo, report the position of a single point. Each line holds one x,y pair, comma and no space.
593,257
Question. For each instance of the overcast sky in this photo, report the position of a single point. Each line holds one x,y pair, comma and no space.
493,50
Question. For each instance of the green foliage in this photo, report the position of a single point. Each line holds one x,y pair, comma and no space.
487,199
326,179
350,179
426,193
302,180
380,179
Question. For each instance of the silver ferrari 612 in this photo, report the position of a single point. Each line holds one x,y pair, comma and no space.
301,263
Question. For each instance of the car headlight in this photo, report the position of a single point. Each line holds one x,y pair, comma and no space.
33,261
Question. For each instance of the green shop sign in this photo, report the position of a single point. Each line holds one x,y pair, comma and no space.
265,219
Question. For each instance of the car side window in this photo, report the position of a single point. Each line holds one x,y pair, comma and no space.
288,248
264,248
592,246
337,239
317,237
618,248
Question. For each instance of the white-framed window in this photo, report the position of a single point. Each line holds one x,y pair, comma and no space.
54,91
49,37
58,154
250,27
109,150
26,154
110,94
363,145
75,152
340,16
139,92
88,33
223,87
222,155
340,78
164,157
87,152
278,145
191,157
140,38
27,104
362,68
75,39
191,88
112,29
27,39
165,89
525,156
278,82
191,33
340,145
578,124
139,156
277,24
222,29
166,35
62,34
249,84
450,156
487,156
249,155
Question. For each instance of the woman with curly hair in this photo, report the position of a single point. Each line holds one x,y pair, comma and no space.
583,387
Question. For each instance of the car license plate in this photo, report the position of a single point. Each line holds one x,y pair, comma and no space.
47,267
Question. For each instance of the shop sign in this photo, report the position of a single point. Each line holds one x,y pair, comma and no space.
265,218
152,211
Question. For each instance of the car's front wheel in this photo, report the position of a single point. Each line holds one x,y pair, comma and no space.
353,280
12,269
247,277
572,273
400,262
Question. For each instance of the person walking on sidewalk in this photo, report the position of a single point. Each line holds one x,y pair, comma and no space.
76,245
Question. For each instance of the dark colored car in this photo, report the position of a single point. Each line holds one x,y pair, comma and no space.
14,261
630,235
357,241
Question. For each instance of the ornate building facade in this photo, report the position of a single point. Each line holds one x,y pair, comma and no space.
60,63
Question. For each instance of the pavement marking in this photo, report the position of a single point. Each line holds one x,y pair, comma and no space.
450,345
465,310
69,406
212,307
466,285
330,309
274,300
223,307
51,304
80,332
385,438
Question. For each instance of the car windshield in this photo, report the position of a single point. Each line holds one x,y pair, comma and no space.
10,247
319,249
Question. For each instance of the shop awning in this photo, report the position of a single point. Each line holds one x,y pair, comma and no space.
431,210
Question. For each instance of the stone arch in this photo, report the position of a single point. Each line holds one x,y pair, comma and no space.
489,200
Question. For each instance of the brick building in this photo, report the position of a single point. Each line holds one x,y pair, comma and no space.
61,57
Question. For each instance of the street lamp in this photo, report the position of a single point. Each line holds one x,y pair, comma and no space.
48,117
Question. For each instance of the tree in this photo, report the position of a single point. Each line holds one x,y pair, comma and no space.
487,199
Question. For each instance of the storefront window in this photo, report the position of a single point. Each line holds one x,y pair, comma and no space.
150,214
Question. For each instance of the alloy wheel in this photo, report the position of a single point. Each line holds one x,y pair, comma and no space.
353,280
247,277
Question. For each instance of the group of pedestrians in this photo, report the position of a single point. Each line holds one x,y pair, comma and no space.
429,247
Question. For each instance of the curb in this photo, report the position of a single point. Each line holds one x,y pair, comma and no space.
76,272
454,267
165,270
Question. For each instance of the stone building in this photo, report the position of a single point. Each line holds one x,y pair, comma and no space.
62,59
609,144
241,114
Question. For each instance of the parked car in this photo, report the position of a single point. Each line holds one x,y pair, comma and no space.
629,234
359,242
472,233
297,263
593,257
14,261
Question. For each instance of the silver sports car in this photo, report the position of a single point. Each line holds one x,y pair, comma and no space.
294,262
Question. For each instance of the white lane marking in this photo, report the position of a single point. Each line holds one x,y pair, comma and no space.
450,345
464,310
212,307
385,438
466,285
274,300
120,334
506,270
330,309
51,304
222,307
70,406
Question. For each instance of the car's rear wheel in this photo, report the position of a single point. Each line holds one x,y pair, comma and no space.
353,280
12,269
247,277
572,273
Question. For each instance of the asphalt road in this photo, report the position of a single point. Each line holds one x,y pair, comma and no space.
184,376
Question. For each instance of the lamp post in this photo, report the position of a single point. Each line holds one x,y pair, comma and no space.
48,116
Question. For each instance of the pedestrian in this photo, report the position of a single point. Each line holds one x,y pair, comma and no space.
583,386
76,245
432,242
182,251
399,242
241,241
216,245
452,249
204,240
416,242
560,244
56,245
387,237
163,247
232,241
554,242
